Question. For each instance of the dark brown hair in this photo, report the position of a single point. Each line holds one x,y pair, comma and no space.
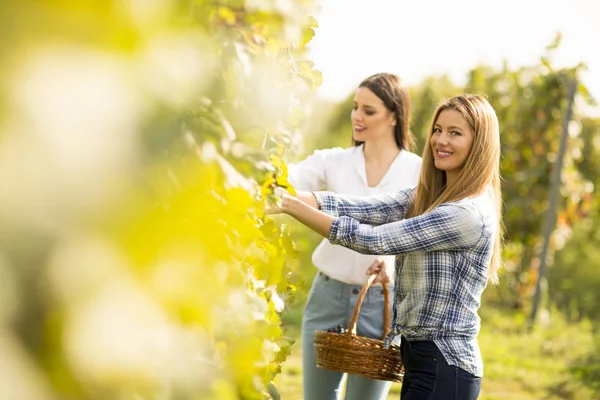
395,97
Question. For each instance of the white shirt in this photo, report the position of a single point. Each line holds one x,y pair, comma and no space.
343,171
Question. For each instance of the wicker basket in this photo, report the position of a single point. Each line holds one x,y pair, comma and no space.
347,352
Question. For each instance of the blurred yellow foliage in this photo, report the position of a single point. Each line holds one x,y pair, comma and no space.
137,261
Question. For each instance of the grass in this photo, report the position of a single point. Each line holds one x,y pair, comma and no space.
540,364
536,364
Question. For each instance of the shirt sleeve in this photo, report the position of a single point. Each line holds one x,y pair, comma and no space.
448,227
375,210
311,173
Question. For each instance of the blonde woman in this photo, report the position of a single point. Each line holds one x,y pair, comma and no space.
379,161
448,231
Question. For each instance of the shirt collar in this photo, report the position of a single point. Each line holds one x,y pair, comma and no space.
358,160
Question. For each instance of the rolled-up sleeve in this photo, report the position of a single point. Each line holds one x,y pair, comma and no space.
375,210
448,227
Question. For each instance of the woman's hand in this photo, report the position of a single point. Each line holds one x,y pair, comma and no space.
285,202
288,204
378,267
304,208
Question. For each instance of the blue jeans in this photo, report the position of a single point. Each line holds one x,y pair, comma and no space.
429,377
329,304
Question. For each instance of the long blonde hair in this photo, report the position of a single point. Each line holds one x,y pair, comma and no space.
481,171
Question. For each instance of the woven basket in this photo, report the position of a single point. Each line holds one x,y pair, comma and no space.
347,352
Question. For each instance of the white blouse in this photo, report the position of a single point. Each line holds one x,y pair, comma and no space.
343,171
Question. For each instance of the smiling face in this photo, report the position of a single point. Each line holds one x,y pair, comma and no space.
371,120
451,142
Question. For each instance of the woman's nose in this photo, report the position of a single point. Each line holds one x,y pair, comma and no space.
443,138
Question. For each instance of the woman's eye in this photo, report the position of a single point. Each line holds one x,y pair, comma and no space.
436,130
369,112
455,133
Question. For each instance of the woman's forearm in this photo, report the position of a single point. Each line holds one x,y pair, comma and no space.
307,198
305,209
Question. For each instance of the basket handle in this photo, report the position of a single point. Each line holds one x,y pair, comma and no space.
386,307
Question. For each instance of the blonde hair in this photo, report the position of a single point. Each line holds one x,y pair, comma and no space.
481,171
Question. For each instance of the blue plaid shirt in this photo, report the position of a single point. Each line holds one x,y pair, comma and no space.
441,265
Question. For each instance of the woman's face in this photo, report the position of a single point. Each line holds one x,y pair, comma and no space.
371,120
451,142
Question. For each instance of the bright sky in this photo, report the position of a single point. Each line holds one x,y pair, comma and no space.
416,39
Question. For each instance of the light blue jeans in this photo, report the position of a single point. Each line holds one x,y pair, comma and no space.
329,304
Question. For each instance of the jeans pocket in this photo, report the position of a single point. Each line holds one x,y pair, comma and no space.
468,385
423,350
465,375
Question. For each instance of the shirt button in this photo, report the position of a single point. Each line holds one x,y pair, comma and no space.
326,278
355,291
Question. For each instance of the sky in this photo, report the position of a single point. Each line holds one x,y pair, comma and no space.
357,38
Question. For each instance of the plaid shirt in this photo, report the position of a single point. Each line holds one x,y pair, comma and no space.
441,265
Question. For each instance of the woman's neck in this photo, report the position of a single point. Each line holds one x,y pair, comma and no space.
451,177
380,153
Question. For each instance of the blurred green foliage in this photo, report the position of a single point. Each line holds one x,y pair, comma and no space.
139,143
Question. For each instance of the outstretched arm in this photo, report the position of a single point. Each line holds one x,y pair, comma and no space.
319,210
304,208
375,210
448,227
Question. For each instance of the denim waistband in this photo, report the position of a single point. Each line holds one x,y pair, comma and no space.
356,288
